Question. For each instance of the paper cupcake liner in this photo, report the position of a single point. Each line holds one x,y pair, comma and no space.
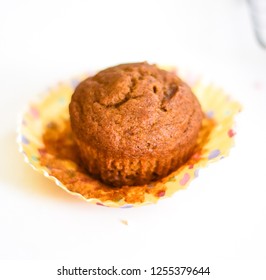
45,140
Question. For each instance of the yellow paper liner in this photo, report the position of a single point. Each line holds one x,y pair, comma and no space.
45,139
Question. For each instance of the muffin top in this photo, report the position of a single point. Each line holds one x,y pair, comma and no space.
134,110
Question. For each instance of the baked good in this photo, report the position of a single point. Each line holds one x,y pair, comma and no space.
134,123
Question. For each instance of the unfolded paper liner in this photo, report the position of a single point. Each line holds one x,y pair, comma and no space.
52,108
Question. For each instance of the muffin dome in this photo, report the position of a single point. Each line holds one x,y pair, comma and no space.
134,123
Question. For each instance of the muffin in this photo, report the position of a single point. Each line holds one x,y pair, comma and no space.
134,123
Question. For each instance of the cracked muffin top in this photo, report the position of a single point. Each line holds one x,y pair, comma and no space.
135,110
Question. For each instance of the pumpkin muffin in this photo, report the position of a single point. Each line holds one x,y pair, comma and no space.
134,123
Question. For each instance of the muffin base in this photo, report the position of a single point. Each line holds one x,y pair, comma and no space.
132,172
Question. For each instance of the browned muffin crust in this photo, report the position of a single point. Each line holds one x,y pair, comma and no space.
134,123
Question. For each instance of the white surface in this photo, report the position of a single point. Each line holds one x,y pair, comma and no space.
222,215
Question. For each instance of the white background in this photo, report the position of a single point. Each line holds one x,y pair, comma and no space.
220,217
